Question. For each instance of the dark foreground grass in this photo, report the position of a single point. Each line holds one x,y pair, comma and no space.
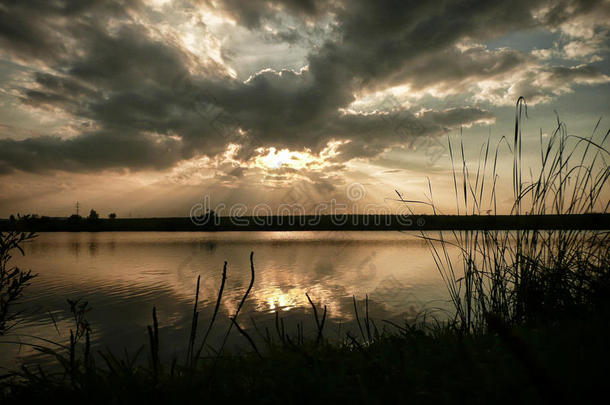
549,363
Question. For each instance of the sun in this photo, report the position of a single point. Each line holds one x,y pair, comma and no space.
273,159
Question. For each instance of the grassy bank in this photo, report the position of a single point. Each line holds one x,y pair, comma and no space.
564,360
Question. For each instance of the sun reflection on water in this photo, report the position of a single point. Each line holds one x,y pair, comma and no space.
284,301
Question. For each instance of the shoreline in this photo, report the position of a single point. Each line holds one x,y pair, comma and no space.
377,223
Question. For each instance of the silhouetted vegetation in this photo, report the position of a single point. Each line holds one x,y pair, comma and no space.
93,216
530,274
13,280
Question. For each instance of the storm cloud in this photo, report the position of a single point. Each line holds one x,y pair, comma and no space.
137,95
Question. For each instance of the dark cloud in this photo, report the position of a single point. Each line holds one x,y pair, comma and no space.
578,73
37,28
88,152
127,58
370,135
386,43
455,117
382,42
564,10
151,103
254,12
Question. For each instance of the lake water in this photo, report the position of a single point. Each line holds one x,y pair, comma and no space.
123,275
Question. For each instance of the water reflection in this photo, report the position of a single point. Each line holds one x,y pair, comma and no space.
123,275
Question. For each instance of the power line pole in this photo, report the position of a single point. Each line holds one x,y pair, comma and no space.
77,207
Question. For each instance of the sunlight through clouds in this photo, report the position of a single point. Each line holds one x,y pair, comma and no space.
231,95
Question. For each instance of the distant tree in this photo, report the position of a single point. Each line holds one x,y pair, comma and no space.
93,215
12,218
112,215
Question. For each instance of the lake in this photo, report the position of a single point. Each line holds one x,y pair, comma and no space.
122,275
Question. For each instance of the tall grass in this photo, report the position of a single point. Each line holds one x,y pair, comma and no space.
13,280
527,275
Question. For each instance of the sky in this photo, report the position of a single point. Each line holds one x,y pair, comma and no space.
149,108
